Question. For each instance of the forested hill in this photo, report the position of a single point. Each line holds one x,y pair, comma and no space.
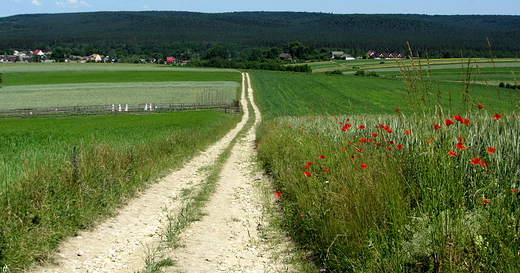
160,31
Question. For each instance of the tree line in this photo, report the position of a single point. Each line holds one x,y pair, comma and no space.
253,37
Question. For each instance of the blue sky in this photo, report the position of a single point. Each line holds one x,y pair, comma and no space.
503,7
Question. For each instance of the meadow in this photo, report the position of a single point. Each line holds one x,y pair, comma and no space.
378,174
59,175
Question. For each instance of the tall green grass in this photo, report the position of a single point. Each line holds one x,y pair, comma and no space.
413,208
63,174
417,175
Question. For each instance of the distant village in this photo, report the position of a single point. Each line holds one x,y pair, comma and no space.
38,55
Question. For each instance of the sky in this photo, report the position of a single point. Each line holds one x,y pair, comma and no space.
450,7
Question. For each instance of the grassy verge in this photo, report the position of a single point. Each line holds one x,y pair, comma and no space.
66,174
393,193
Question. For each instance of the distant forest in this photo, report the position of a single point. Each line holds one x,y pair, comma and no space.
255,36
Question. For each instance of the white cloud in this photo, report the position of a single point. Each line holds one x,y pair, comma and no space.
36,2
72,3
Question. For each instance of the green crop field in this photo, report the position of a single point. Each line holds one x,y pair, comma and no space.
57,85
85,94
301,94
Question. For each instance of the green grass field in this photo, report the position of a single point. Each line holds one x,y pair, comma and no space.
366,188
301,94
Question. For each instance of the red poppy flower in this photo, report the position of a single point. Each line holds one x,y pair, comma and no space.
460,146
460,139
464,121
305,167
436,127
448,122
475,161
359,150
483,164
278,194
308,174
452,153
389,147
485,201
361,127
363,139
378,144
343,149
309,163
397,110
391,142
389,131
408,132
386,128
321,156
346,127
399,146
363,166
480,106
374,134
326,170
490,150
514,190
458,118
497,116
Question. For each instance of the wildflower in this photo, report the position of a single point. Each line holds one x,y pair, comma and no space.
397,110
480,106
452,153
388,131
363,166
436,127
485,201
514,190
305,167
408,132
461,146
464,121
321,156
278,194
325,170
363,139
458,118
490,150
361,127
448,122
308,174
374,134
399,146
460,139
391,142
359,150
378,144
497,116
309,163
475,161
483,164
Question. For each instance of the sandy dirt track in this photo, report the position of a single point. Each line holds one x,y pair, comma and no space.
229,238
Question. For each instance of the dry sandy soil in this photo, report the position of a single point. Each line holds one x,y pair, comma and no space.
231,237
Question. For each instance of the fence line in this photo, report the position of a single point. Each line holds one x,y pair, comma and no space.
146,108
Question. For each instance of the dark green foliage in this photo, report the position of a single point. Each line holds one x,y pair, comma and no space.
120,34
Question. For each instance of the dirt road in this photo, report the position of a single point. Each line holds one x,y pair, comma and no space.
229,238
